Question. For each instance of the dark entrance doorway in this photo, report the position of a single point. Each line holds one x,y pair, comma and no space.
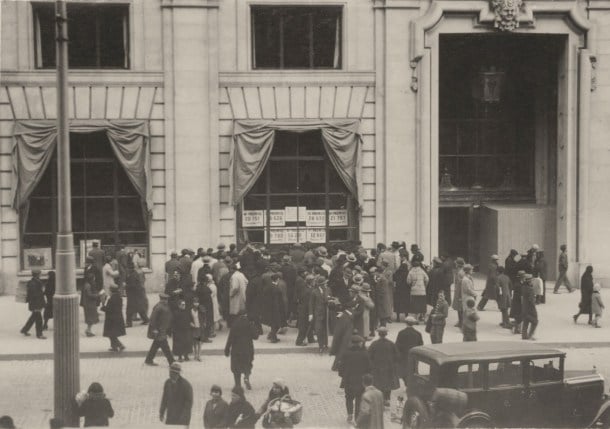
497,130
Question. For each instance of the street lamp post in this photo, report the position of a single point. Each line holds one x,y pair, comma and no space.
66,300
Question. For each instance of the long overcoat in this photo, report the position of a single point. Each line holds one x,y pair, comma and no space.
503,297
371,409
88,300
177,402
515,304
35,295
491,282
136,294
586,289
274,311
317,307
402,291
383,298
240,346
384,359
342,337
405,341
114,323
355,364
528,304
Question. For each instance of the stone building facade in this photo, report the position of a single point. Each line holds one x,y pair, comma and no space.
481,125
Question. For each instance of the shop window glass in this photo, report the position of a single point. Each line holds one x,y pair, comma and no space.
301,37
302,204
98,35
105,204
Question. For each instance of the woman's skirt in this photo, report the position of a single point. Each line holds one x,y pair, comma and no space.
417,304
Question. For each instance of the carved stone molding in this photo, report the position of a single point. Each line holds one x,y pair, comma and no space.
207,4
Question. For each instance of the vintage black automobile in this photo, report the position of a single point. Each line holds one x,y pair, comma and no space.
500,384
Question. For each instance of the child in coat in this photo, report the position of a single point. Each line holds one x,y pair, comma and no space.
94,406
597,305
198,326
469,325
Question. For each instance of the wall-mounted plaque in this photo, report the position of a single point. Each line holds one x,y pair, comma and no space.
337,217
316,218
252,218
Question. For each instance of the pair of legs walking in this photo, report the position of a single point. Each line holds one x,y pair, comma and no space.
237,379
130,318
35,318
154,347
532,328
115,344
563,280
352,404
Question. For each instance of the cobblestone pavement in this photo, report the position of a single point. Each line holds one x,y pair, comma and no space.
135,389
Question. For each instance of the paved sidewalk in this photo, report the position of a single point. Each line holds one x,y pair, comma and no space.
556,327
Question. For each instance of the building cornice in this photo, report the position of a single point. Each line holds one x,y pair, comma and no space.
296,78
47,78
193,4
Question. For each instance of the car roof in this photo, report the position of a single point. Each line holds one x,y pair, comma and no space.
482,351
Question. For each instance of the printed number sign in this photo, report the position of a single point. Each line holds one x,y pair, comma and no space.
252,218
337,217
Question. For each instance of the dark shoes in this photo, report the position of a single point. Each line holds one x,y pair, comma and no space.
27,334
247,383
150,363
41,337
301,344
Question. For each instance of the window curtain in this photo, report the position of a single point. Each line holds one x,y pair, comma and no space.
253,142
35,142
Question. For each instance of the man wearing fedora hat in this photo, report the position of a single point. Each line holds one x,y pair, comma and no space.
304,290
406,339
529,314
177,399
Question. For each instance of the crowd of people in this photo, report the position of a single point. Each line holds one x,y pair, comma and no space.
347,293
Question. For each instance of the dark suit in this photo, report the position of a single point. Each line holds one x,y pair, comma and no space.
319,311
36,303
303,300
177,402
405,341
353,366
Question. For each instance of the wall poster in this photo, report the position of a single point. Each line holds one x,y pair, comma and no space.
252,218
277,217
291,214
316,218
292,236
316,235
277,236
337,218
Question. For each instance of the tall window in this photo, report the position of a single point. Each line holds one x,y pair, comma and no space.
296,37
105,205
98,33
299,196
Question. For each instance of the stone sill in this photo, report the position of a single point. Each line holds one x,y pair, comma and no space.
47,77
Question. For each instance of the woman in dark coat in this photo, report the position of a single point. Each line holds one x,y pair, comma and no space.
182,338
240,347
541,267
401,293
95,407
114,323
137,302
586,290
49,293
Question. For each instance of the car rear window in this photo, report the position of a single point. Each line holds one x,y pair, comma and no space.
422,370
545,370
469,376
505,374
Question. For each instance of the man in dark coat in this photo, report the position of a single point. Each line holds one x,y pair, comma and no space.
529,313
204,294
224,298
177,399
405,341
36,303
274,314
185,263
123,261
510,266
384,359
503,299
515,305
241,349
435,281
137,302
158,330
491,284
254,298
318,311
304,287
346,322
215,412
114,323
340,287
541,266
354,365
289,275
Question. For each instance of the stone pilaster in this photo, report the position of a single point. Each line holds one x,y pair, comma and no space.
190,42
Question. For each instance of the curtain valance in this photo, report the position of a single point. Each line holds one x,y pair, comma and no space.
253,142
35,142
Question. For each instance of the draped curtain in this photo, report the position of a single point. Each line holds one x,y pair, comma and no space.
35,142
253,143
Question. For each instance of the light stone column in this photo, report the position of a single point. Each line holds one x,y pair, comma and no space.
190,50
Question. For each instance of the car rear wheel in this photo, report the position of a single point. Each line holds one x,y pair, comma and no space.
475,420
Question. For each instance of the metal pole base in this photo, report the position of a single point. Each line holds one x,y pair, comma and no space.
66,350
